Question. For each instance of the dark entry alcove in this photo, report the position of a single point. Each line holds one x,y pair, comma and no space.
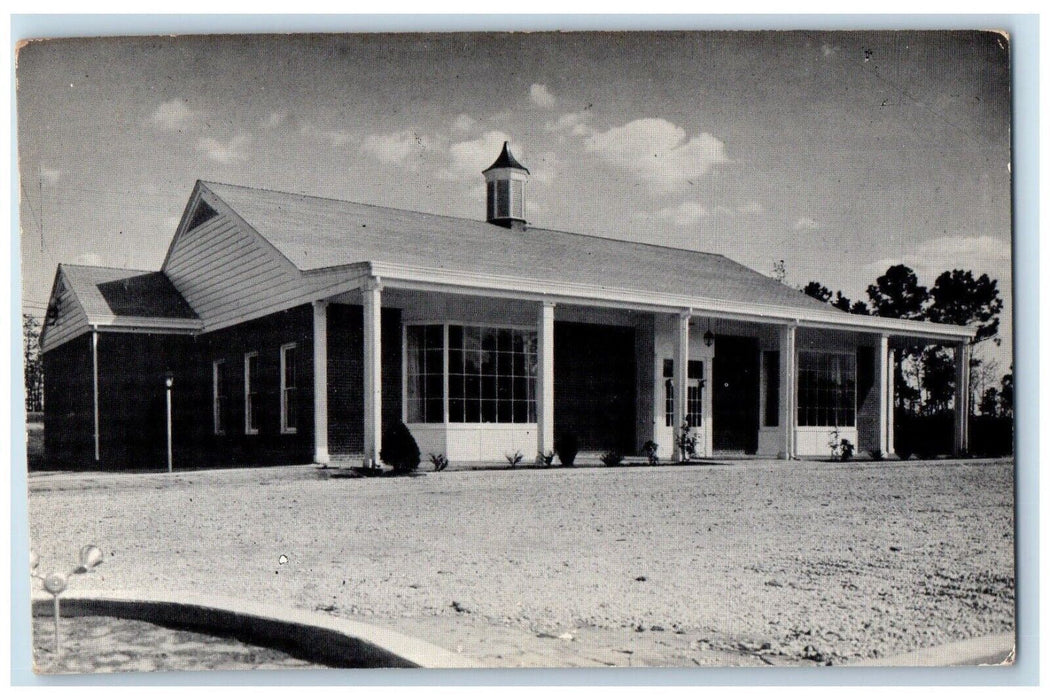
734,396
594,380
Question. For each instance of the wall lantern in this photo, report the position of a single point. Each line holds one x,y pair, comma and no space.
709,337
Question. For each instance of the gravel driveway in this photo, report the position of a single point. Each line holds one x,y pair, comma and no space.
752,562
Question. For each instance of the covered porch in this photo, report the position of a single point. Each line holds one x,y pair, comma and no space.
477,374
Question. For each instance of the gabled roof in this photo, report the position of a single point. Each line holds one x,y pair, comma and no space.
316,233
86,296
111,292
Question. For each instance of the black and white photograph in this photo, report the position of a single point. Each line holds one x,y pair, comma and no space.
581,349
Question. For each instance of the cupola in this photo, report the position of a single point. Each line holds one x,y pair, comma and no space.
505,187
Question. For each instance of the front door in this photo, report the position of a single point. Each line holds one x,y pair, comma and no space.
735,394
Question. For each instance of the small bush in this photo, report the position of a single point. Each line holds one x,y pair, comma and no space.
567,446
440,462
841,448
400,450
650,449
545,459
876,455
514,459
612,459
686,440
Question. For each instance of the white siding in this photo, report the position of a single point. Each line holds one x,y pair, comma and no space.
229,274
69,322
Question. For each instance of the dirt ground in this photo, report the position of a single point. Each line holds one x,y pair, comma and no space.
744,563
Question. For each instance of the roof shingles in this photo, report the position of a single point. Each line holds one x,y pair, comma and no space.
114,292
316,233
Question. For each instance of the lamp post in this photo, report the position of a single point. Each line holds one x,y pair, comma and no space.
169,379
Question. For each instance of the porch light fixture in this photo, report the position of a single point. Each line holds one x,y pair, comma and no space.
709,337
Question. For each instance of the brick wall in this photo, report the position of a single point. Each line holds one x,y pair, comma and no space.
264,336
132,402
346,375
68,406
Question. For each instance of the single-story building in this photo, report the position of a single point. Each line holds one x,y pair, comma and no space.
292,329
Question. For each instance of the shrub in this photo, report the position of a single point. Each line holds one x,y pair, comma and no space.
612,458
685,438
440,462
876,455
567,446
545,459
400,450
841,448
650,448
514,459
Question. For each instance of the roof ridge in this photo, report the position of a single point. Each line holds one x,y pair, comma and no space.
475,221
106,267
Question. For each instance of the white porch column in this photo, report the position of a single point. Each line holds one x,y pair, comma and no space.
788,392
373,355
321,382
891,401
681,378
545,378
94,391
884,376
962,398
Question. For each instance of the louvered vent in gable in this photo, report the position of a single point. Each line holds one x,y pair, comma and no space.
202,213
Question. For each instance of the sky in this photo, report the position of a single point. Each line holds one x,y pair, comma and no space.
839,153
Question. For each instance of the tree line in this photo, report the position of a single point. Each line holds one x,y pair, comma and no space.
924,374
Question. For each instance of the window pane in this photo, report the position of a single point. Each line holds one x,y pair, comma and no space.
827,392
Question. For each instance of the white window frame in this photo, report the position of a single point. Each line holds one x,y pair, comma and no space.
445,369
285,428
248,429
217,410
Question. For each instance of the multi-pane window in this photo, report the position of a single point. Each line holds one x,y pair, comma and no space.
694,401
491,374
251,393
827,389
220,397
517,199
425,373
289,383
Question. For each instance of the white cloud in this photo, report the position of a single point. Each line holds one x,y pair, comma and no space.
750,208
659,153
468,158
462,124
173,114
336,137
274,120
574,122
804,223
224,153
396,147
50,175
541,96
980,254
685,214
89,259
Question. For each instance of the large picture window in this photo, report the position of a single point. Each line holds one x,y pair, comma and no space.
491,375
827,389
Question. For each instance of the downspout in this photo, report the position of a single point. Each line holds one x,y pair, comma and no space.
94,377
